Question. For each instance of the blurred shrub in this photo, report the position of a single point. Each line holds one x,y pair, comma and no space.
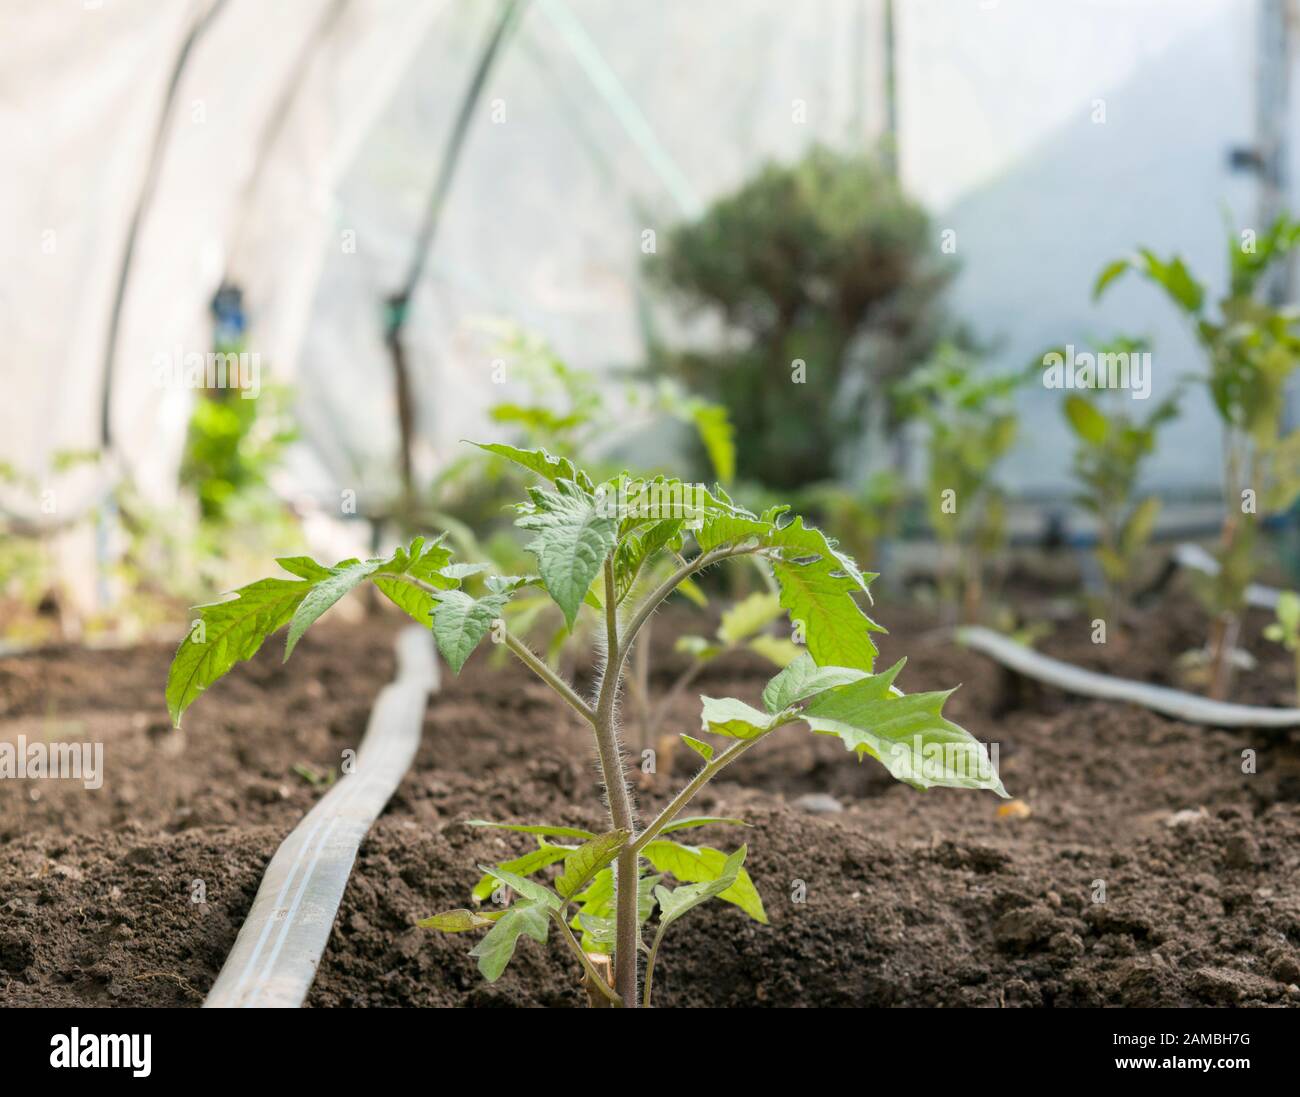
825,262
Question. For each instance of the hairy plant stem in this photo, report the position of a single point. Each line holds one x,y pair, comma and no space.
604,722
538,667
627,873
626,876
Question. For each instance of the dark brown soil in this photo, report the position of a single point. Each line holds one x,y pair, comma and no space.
910,898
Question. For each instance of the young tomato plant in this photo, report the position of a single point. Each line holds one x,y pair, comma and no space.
1251,349
972,425
1286,630
1112,446
565,410
591,542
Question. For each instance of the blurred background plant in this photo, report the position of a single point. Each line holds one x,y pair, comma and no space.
1111,446
1251,350
970,425
822,272
570,413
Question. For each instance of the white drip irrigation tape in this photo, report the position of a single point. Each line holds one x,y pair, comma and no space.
1196,558
279,946
1087,683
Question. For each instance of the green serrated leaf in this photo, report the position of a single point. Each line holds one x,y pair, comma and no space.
817,584
456,921
533,861
415,603
836,631
732,529
231,632
676,902
581,865
734,719
304,567
423,561
460,622
703,821
573,539
635,549
539,461
323,595
701,864
803,679
906,733
494,952
703,749
529,889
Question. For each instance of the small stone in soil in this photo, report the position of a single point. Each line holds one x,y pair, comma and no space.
818,803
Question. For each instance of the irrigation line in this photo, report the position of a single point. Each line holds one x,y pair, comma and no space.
274,960
1087,683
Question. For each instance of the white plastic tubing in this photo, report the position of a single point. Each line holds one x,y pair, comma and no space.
279,946
1087,683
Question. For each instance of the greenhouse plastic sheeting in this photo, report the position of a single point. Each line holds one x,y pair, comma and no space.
77,144
599,121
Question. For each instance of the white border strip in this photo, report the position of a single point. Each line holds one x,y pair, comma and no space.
276,954
1087,683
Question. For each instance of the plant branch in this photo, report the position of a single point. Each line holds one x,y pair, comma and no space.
688,792
650,966
547,675
593,976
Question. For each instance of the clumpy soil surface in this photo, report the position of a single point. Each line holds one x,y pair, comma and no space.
1139,864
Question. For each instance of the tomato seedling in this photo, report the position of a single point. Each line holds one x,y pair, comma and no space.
1251,349
1112,445
593,543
